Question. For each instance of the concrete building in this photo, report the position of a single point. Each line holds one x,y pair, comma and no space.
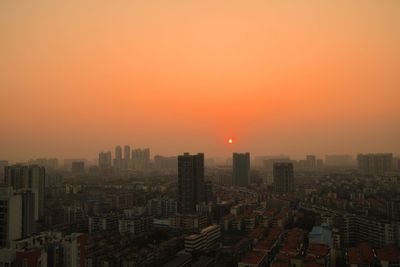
78,167
311,162
105,161
141,159
241,169
32,178
190,182
10,216
118,158
189,223
321,235
105,222
161,207
339,160
165,163
375,164
207,240
135,225
283,177
127,157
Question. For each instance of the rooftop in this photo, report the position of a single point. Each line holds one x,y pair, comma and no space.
254,257
389,253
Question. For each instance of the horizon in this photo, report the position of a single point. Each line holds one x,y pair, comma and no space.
278,77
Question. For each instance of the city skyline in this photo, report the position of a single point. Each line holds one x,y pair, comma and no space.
206,133
277,77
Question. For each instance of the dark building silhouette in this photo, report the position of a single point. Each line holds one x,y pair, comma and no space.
141,159
190,182
118,157
283,177
104,161
241,169
78,167
28,213
375,164
127,157
32,178
311,162
162,162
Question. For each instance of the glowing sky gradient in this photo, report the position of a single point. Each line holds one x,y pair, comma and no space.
294,77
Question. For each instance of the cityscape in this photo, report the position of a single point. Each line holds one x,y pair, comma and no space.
212,133
134,209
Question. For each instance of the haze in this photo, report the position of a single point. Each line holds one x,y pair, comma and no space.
293,77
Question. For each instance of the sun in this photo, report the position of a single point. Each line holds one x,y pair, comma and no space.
230,141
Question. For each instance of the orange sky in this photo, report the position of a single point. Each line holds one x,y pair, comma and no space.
294,77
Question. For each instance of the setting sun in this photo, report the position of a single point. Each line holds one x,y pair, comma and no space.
230,141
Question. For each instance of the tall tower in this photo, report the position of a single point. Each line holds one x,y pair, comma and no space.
241,169
118,157
283,177
32,178
127,156
311,162
104,161
375,164
190,182
10,212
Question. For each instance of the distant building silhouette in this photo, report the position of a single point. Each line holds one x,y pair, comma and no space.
10,212
127,157
118,157
283,177
78,167
104,161
375,164
3,164
165,163
311,162
339,160
241,169
190,182
141,158
28,178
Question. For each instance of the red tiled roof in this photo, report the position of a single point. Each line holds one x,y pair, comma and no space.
263,245
362,254
257,232
274,233
389,253
319,250
282,257
254,257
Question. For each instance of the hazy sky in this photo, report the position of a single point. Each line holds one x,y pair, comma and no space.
294,77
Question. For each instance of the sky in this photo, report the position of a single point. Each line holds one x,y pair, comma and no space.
292,77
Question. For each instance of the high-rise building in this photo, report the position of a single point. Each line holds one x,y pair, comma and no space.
311,162
127,157
141,158
118,157
375,164
161,207
283,177
3,164
78,167
190,182
104,161
339,160
11,216
32,178
241,169
165,163
48,163
28,213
